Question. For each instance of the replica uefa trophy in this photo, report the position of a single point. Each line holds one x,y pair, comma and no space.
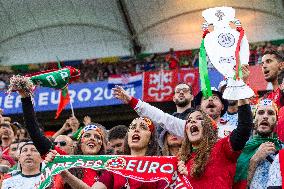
227,49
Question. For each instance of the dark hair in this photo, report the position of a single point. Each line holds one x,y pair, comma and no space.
117,132
19,141
190,86
29,142
153,146
279,56
26,135
202,156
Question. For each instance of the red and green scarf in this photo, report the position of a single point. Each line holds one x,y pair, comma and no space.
144,169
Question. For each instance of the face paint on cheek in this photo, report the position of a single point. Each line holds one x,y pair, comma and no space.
83,140
273,120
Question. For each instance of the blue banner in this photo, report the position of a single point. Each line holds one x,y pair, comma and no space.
215,77
82,95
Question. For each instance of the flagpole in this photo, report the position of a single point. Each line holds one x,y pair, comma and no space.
73,115
71,105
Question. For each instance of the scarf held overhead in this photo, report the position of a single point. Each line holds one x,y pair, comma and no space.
144,169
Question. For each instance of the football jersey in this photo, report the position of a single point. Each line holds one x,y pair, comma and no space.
21,181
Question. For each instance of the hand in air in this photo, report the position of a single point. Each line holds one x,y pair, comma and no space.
87,120
121,94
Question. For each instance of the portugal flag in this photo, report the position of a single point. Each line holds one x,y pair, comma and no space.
63,101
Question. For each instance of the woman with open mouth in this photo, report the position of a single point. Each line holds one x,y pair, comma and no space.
90,142
140,140
207,161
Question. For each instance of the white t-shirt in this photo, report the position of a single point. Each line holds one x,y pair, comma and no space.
225,129
20,181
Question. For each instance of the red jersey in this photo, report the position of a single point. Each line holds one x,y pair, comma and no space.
276,97
221,167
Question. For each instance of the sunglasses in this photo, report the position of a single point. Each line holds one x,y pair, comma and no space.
61,143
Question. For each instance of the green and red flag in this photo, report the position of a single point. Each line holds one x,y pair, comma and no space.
55,78
63,101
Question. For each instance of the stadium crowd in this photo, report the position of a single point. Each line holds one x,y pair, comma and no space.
99,70
219,143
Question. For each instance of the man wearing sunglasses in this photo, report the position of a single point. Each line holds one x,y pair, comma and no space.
65,143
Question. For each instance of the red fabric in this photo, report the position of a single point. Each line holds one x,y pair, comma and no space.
256,78
237,52
280,124
4,151
58,182
220,169
6,176
90,177
275,96
49,133
173,64
115,181
64,100
133,102
190,77
60,151
74,74
205,33
9,159
281,162
240,185
173,61
159,86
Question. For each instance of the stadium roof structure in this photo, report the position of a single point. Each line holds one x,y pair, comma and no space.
34,31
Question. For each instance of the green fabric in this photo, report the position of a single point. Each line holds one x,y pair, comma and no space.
240,73
20,68
248,151
203,72
56,79
77,133
15,167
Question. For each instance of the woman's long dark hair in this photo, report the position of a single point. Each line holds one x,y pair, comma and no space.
153,146
203,152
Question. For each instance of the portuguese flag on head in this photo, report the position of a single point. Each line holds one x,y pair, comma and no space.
63,101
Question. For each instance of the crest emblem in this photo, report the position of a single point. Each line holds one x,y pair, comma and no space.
220,15
226,40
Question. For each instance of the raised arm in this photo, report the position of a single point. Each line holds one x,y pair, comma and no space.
172,124
42,143
241,134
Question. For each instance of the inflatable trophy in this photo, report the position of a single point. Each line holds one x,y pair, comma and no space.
227,49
